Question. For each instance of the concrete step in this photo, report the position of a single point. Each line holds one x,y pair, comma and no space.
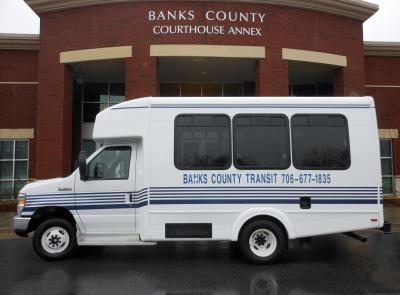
111,240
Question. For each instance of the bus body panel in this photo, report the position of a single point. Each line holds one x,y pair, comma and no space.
163,195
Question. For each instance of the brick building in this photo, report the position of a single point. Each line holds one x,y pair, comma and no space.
94,53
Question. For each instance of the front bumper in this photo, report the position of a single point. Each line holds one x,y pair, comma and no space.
21,225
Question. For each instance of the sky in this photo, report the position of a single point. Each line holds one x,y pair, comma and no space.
17,17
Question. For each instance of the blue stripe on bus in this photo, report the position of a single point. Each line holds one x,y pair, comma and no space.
92,206
205,188
89,194
263,197
205,195
234,192
271,201
194,201
264,194
264,187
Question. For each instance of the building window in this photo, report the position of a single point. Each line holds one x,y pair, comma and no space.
14,155
387,166
207,89
211,89
89,146
202,142
320,142
99,96
261,142
191,89
321,89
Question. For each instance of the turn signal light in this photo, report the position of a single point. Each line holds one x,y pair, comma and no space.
21,200
21,203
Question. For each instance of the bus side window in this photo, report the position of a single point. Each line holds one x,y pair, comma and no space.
320,142
202,142
261,141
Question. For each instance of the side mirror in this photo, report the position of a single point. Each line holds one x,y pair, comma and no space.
82,165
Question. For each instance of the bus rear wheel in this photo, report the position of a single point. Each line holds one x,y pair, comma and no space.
262,242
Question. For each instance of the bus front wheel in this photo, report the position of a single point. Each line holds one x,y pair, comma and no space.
54,239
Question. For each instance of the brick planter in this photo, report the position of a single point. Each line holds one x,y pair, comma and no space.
391,202
8,206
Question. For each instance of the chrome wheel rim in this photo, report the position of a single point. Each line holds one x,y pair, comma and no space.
55,240
263,242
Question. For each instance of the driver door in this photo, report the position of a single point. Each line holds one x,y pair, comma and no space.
103,201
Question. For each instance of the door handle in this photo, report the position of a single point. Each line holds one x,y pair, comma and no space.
129,198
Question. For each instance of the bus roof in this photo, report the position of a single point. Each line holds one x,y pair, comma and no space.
117,123
248,102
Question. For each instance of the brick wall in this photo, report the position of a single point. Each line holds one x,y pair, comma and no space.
18,101
127,24
385,71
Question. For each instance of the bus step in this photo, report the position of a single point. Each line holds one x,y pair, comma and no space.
112,240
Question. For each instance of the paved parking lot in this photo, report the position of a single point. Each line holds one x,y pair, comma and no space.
330,265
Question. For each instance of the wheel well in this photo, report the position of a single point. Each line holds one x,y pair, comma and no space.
45,213
269,218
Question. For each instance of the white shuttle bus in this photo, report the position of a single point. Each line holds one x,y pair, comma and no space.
257,170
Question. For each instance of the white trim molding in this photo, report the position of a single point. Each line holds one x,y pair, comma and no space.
17,133
314,56
357,9
228,51
19,42
388,133
381,48
382,86
95,54
19,83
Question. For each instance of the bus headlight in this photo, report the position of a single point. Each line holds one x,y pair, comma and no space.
21,203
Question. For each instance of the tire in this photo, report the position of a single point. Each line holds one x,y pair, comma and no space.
262,242
54,239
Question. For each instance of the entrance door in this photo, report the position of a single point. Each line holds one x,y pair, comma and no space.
104,201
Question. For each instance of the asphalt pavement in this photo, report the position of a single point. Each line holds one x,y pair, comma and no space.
333,264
